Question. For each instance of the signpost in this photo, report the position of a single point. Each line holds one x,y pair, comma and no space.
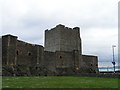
113,62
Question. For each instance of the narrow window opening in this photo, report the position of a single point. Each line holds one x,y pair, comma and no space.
17,52
29,54
60,57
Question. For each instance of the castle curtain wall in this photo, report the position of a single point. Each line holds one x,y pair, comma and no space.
29,54
16,52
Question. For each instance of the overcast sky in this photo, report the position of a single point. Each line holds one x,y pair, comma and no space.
97,19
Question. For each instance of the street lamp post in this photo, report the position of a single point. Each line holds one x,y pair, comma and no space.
113,62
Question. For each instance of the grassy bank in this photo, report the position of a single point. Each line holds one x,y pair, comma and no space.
59,82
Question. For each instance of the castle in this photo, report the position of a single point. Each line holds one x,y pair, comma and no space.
61,55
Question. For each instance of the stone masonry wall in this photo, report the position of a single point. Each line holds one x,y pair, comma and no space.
19,57
4,50
8,49
64,62
70,39
52,40
29,54
64,59
50,60
90,64
62,38
60,62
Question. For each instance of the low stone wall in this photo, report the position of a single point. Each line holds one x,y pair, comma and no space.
22,70
17,71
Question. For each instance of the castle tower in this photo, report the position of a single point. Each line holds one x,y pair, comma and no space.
9,44
62,38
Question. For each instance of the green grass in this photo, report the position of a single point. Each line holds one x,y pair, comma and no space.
59,82
0,82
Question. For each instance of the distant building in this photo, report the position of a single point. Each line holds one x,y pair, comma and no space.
62,55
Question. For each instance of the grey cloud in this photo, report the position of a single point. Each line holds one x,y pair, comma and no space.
30,18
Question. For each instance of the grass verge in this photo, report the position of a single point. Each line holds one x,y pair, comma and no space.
59,82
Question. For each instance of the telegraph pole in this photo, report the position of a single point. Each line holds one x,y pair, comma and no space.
113,62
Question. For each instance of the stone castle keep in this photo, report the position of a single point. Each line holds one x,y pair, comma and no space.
61,55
